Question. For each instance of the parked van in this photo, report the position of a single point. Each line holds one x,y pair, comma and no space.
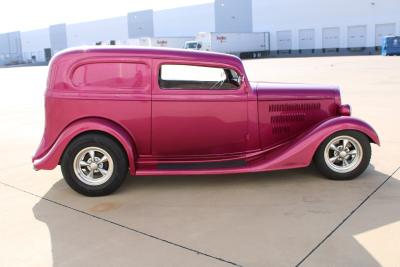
390,45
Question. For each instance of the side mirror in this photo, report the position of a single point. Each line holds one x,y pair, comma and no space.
198,46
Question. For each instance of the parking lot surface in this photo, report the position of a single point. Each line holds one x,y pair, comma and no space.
283,218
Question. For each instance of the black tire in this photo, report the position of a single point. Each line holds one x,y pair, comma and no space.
323,167
109,145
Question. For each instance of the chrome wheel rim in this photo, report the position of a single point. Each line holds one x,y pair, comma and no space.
93,166
343,154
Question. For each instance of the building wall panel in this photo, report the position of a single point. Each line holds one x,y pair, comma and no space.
10,48
140,24
58,37
88,33
382,30
34,43
184,21
233,16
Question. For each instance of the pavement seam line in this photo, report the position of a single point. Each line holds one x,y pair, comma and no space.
346,218
123,226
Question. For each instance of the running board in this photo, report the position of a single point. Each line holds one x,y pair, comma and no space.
202,165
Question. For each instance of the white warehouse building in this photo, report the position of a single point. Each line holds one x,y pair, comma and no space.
34,44
325,25
308,27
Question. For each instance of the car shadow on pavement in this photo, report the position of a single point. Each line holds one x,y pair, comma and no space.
272,212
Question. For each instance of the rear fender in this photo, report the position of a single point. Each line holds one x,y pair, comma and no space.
51,159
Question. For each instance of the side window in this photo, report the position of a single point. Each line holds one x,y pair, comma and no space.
110,75
197,78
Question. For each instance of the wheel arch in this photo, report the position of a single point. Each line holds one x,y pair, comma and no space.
98,132
338,131
339,124
84,126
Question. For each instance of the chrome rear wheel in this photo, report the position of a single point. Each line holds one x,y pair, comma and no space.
93,166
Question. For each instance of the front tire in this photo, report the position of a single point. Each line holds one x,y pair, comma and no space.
344,155
94,165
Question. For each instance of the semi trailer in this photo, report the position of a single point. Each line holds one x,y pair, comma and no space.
245,45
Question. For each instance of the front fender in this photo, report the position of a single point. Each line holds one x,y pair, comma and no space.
336,124
300,151
51,158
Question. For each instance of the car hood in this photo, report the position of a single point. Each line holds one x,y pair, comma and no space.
293,91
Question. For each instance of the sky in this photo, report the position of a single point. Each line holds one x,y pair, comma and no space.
25,15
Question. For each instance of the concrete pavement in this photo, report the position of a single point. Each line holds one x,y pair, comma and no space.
271,219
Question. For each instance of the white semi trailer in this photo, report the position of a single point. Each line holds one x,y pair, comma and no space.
171,42
252,44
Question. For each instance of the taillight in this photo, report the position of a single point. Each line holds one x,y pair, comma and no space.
344,110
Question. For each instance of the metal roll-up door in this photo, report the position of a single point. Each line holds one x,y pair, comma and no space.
331,39
284,41
357,36
307,40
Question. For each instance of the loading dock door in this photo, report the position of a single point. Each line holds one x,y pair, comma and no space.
284,40
331,37
47,54
382,30
356,36
306,39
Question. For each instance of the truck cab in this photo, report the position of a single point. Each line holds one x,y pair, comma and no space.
391,45
192,45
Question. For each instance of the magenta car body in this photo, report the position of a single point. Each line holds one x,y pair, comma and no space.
254,127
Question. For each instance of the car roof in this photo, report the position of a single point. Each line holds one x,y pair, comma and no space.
166,53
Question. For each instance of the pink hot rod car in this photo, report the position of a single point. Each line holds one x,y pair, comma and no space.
179,112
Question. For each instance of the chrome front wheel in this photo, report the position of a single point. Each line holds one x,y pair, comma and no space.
343,154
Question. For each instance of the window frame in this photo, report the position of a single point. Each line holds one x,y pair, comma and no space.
195,81
157,63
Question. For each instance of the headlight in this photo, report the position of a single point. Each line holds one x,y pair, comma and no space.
344,110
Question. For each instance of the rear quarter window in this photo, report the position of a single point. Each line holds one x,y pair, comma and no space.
119,75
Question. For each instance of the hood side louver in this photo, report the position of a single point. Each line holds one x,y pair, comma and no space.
289,116
294,107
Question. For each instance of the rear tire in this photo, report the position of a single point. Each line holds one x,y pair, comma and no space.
344,155
94,165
